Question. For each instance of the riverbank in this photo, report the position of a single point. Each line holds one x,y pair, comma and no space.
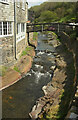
60,91
12,74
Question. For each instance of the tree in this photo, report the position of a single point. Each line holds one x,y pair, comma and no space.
48,16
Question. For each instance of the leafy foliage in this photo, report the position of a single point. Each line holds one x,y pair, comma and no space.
54,11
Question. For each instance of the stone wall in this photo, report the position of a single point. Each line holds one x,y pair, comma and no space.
7,45
7,11
7,49
20,47
20,14
72,45
21,18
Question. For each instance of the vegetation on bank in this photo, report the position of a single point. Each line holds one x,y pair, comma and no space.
3,70
28,51
25,52
53,12
16,69
35,35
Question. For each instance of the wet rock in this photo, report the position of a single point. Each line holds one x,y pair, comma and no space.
53,67
55,54
59,76
58,56
50,89
73,109
51,59
76,95
61,63
37,109
73,116
54,43
44,89
55,84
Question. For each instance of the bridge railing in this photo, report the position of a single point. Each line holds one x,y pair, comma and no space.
50,27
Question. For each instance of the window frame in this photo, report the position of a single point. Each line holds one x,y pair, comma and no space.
22,27
1,28
18,28
6,35
21,34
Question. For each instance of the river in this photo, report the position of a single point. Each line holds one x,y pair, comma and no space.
18,99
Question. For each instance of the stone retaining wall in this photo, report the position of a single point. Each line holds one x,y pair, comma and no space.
72,45
20,47
7,48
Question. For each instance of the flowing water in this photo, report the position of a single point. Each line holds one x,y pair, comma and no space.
19,98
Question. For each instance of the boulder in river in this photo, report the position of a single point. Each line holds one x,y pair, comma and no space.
53,67
44,89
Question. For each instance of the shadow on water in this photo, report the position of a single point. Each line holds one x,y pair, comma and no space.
18,99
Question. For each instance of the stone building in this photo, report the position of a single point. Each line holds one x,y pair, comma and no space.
13,37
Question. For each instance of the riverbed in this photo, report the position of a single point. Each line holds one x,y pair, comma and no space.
18,99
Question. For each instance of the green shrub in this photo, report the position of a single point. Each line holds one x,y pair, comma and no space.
16,69
35,34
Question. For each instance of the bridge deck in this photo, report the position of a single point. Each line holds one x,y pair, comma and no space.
57,27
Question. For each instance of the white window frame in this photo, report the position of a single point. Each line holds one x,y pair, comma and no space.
21,35
18,28
7,30
1,28
4,1
22,27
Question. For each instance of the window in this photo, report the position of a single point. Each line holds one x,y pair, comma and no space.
9,27
5,28
20,31
0,28
18,28
22,27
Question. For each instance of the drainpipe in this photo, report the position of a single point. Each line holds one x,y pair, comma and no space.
15,28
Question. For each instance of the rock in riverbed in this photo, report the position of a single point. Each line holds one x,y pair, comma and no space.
53,67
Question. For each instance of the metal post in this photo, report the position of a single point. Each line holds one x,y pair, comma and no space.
15,28
42,28
58,28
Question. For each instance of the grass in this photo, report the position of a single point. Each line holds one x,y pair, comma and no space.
35,34
25,52
16,69
3,70
54,34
